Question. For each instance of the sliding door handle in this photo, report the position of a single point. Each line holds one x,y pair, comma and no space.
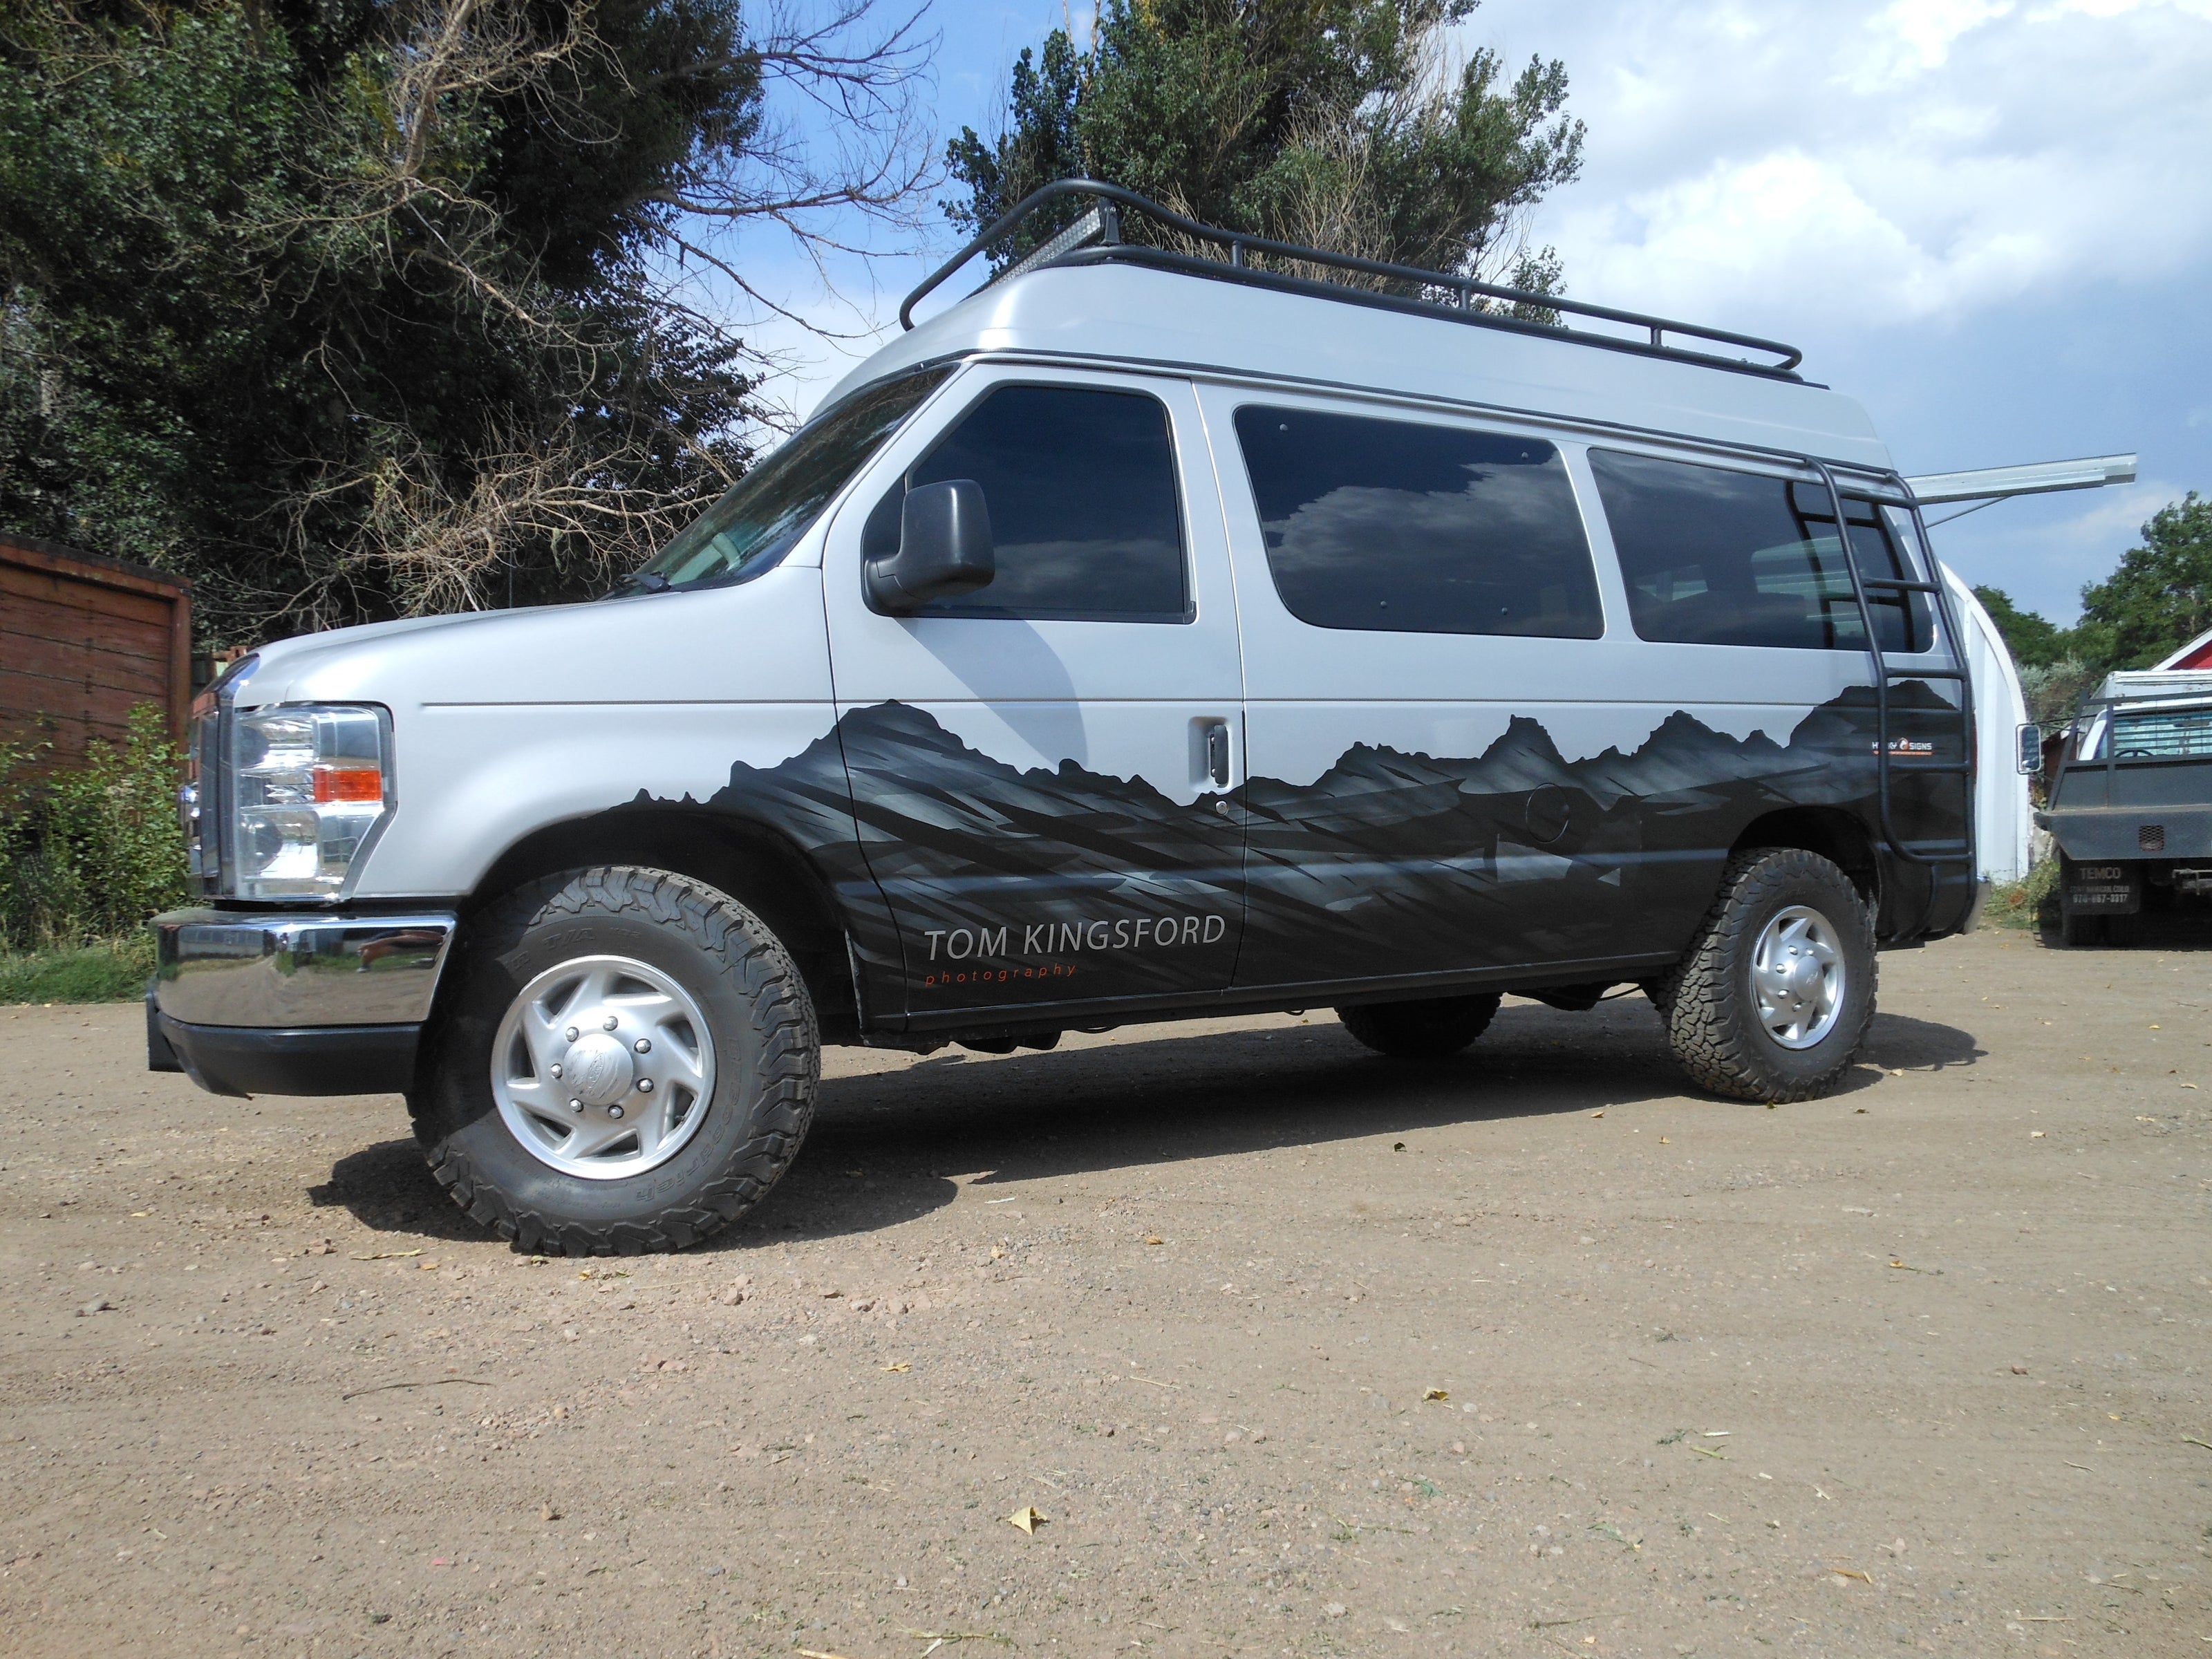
1217,752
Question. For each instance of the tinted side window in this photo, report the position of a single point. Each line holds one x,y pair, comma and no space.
1407,528
1712,556
1086,520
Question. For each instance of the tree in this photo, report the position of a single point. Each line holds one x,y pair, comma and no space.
356,309
2161,596
1341,124
2035,640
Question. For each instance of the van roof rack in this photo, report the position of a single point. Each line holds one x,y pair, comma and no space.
1095,238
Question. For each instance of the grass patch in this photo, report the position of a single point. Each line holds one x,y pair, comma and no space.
2020,903
114,970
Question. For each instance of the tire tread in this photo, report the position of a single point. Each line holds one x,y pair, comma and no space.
1705,1010
787,1079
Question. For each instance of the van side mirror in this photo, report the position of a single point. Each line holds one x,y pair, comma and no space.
2031,750
944,550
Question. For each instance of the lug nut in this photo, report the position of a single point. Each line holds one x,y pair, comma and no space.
556,1068
610,1023
575,1105
574,1034
645,1085
614,1111
643,1045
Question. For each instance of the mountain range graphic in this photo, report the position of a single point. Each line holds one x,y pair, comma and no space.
1388,865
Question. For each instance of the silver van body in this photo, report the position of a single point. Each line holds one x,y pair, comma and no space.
1237,780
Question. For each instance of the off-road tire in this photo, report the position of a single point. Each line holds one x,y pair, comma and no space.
1706,1001
1428,1029
766,1044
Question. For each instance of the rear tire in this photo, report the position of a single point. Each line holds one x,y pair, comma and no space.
1775,993
685,987
1427,1029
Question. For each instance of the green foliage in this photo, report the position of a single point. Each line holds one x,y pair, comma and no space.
2160,597
2021,903
2157,601
1333,123
2035,640
88,855
115,970
2054,690
268,267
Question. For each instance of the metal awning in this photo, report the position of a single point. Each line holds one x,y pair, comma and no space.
2036,479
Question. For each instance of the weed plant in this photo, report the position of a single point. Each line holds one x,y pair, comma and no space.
87,855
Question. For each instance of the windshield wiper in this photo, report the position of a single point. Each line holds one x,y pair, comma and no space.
643,582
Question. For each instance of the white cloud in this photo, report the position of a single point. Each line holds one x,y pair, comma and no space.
1872,164
2041,550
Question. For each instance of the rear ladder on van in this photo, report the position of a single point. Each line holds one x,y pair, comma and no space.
1933,856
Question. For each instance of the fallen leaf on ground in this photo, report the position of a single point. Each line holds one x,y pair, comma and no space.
901,1366
387,1255
1154,1238
1437,1394
1026,1518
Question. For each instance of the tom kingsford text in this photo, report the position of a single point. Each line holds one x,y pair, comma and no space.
959,944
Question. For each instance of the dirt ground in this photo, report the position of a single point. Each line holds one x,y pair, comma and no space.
1296,1351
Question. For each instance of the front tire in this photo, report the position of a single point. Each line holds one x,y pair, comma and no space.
1775,993
1428,1029
628,1062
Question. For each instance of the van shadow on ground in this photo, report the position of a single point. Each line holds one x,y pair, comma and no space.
885,1147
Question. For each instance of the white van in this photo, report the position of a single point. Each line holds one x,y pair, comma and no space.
1146,635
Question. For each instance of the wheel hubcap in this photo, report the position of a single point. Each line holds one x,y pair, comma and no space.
603,1067
1797,976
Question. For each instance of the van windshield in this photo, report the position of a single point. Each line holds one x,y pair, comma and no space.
768,509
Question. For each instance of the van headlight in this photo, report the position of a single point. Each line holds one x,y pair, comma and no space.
309,784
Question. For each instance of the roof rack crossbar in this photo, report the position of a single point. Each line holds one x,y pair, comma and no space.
1464,291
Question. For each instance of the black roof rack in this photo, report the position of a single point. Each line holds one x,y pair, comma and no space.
1096,239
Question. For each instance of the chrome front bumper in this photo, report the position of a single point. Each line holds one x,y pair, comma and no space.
294,1003
291,968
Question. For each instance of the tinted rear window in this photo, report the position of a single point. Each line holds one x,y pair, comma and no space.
1713,557
1404,527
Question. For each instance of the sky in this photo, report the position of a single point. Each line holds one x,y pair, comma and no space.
1988,221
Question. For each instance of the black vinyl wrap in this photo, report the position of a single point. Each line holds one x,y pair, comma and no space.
974,890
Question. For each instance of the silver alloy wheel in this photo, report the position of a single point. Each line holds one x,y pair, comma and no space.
1797,976
603,1067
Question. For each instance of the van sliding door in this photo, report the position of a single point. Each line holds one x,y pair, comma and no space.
1427,697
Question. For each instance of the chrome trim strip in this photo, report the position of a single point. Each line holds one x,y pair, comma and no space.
273,968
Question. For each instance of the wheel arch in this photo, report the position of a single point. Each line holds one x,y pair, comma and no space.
1835,834
752,862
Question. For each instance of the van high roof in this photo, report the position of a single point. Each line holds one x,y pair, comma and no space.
1088,298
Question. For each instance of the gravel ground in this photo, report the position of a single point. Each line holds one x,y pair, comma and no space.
1295,1351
